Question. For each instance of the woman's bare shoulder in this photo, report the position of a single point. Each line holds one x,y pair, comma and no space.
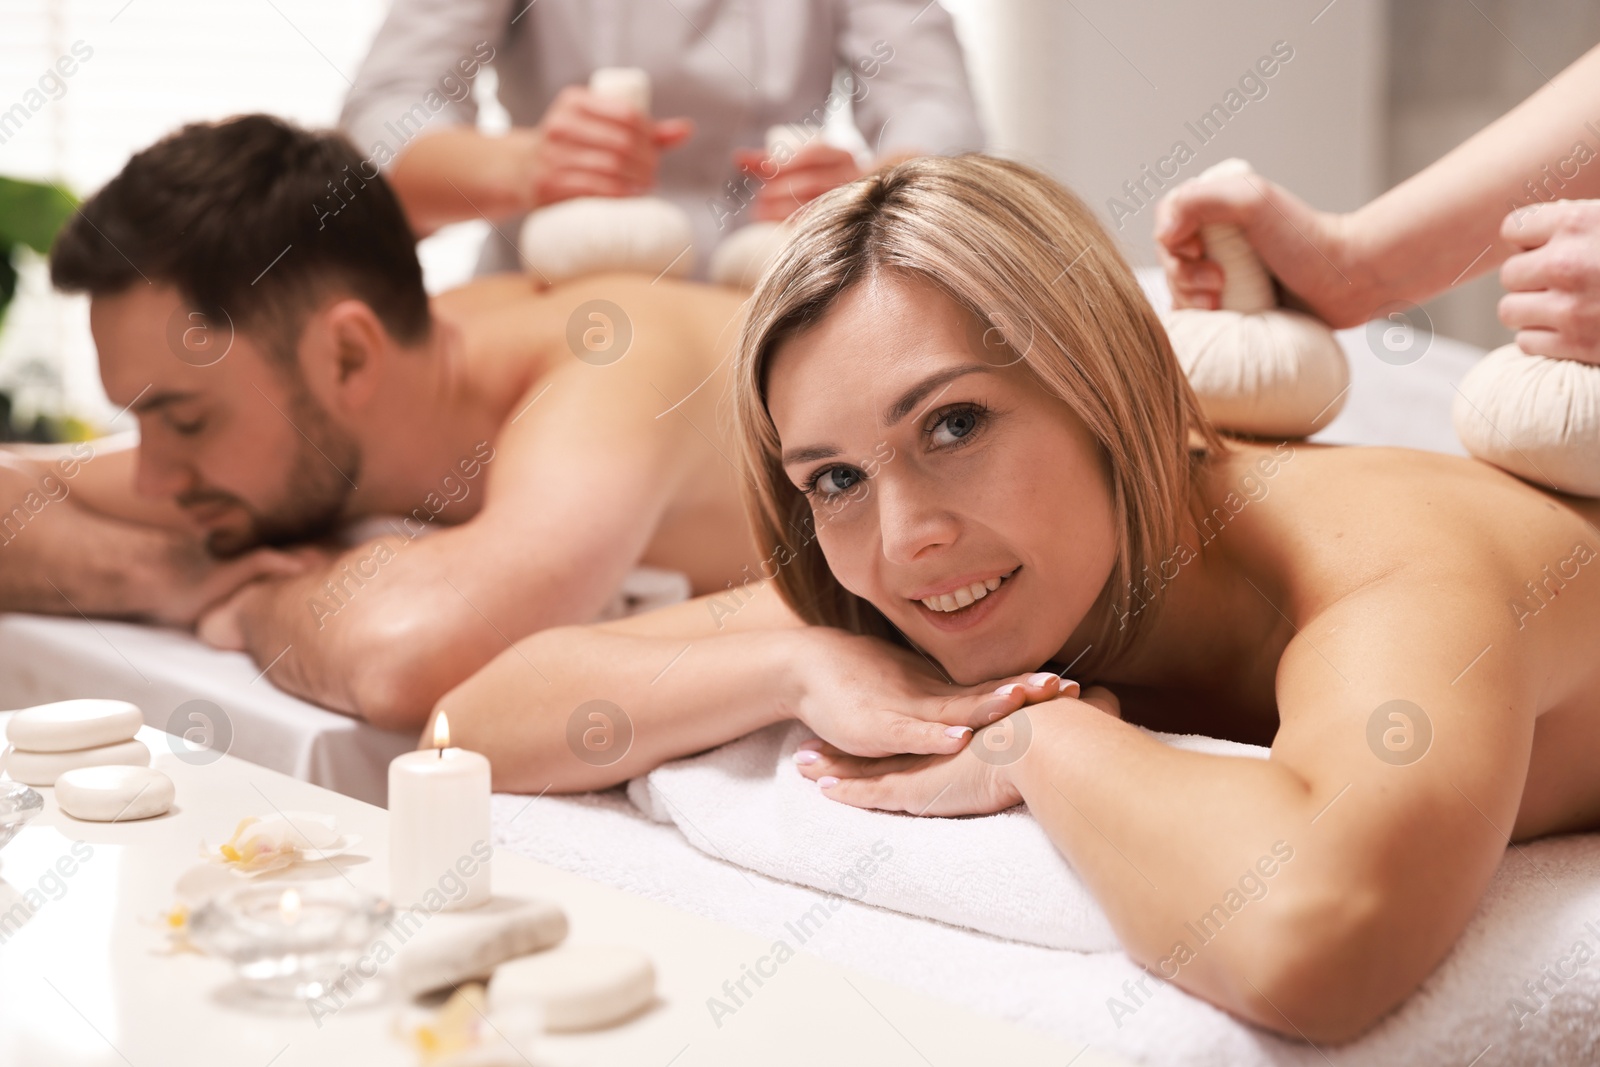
1379,509
1450,569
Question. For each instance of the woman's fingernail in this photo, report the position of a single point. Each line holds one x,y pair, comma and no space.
807,756
1042,678
957,731
827,781
1007,690
1069,684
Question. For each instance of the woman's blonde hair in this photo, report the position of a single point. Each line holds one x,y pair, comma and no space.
1028,260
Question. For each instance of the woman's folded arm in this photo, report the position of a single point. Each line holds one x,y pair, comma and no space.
1311,892
584,707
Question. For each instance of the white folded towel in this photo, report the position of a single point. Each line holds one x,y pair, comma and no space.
748,804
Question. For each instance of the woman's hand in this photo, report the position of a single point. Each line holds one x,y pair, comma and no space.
1310,252
1553,285
867,697
973,781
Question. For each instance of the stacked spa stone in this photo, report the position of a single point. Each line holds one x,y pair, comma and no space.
87,750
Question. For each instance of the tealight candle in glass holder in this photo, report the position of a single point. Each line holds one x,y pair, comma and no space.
290,942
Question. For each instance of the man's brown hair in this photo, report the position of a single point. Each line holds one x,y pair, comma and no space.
254,221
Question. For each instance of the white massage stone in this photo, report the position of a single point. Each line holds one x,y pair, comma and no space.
742,256
593,234
1257,368
114,794
1536,417
70,724
43,768
453,947
579,987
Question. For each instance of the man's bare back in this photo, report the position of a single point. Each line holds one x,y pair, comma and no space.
518,342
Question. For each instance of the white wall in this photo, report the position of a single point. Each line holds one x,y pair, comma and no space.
1091,90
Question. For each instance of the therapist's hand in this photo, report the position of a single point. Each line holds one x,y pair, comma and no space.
590,145
1310,252
1553,285
809,173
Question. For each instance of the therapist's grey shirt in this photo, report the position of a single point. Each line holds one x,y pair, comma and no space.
734,66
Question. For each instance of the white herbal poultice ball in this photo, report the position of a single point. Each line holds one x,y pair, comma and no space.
741,256
1536,417
1267,373
594,234
1256,368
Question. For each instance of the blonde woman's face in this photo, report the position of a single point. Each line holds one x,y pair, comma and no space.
942,476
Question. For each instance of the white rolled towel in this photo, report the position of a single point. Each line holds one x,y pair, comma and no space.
1536,417
593,234
746,803
1257,368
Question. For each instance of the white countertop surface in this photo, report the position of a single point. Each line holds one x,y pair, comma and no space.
86,980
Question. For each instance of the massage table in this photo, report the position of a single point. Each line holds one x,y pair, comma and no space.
1466,1013
221,699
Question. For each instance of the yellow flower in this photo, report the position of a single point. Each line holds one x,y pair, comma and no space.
457,1026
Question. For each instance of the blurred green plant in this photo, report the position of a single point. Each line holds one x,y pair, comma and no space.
30,215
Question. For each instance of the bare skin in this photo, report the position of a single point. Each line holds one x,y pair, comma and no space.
59,556
542,476
585,145
1316,586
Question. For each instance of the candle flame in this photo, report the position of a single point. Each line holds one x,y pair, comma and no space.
441,731
289,907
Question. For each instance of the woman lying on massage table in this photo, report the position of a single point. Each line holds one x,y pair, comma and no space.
972,455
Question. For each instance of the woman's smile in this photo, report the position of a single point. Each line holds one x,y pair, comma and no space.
968,604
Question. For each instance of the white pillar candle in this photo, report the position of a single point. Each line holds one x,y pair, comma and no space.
439,826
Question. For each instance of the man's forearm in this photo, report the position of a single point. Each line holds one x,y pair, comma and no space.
578,708
389,626
1442,225
327,635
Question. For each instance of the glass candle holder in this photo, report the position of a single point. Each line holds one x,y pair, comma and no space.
290,942
18,804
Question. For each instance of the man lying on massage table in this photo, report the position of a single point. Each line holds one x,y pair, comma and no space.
949,500
257,302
